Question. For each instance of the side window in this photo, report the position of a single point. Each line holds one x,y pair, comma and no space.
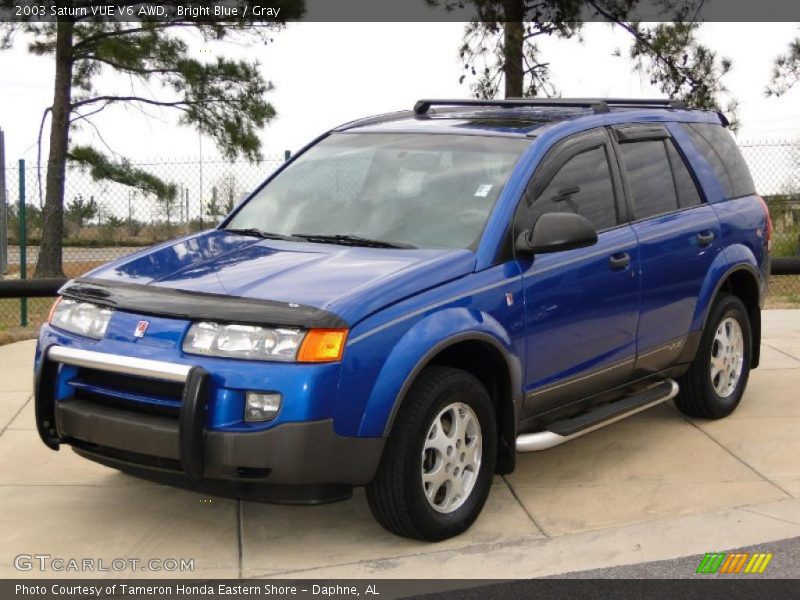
688,195
583,186
719,149
649,178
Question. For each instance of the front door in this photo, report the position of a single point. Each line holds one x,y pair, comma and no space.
582,305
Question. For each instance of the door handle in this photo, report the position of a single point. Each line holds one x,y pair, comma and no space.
704,238
619,261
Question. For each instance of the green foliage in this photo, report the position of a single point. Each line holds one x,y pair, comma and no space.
681,67
224,195
785,70
79,212
483,51
214,210
787,243
223,99
121,171
668,52
112,228
33,221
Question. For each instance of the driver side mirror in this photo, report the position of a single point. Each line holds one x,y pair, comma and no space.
556,232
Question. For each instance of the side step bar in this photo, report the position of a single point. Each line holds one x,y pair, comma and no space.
569,429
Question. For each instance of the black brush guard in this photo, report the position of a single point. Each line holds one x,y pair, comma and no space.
191,420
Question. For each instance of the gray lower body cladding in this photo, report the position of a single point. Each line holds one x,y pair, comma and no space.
308,453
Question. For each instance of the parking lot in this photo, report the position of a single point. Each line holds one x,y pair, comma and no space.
654,487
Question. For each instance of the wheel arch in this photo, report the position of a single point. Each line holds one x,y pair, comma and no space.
485,357
742,281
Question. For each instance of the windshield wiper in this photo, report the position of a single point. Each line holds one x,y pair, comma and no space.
349,239
266,235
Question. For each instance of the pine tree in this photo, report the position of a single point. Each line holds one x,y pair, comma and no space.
221,98
500,47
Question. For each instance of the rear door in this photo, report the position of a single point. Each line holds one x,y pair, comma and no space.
581,305
678,234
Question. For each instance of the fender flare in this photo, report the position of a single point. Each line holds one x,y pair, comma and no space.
513,367
725,276
477,326
700,320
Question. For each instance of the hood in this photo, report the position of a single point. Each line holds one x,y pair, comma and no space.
351,282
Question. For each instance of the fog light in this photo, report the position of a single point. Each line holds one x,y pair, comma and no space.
261,406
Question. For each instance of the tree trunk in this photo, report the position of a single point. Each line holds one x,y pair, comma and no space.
513,34
50,261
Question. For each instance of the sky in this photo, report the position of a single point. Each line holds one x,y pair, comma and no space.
329,73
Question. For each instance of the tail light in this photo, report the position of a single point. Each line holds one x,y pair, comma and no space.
768,232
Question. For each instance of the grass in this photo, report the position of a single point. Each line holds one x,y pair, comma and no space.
10,328
784,291
785,241
71,269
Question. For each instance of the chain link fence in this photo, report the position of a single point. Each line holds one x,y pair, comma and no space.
104,220
776,171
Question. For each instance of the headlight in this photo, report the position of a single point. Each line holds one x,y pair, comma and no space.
83,318
243,341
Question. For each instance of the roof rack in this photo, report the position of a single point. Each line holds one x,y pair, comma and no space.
598,105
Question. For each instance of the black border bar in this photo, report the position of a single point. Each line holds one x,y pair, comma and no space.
371,11
693,588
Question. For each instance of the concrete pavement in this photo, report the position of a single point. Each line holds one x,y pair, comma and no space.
654,487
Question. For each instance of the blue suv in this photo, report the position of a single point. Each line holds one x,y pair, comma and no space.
415,298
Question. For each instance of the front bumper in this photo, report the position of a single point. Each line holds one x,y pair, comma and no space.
292,453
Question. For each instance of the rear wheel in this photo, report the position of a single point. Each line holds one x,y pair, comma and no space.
715,382
437,468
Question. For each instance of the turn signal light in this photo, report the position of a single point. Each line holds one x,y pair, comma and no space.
322,345
53,310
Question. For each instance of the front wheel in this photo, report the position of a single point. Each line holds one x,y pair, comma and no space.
714,384
437,468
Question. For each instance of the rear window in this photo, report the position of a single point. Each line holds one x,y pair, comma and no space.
718,147
650,178
688,195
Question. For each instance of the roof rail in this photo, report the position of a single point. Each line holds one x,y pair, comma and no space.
647,102
598,105
382,118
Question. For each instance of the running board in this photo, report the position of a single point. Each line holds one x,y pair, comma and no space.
569,429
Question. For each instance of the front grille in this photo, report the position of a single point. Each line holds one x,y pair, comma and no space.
124,404
128,383
127,392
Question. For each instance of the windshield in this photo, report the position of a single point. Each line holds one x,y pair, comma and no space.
408,190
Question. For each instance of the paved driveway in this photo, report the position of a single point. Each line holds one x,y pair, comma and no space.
654,487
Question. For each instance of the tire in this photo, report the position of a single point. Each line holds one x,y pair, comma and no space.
706,392
412,463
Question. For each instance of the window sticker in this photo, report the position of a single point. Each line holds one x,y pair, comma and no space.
483,190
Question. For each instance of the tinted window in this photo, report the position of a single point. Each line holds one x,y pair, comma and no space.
719,149
684,184
583,186
650,178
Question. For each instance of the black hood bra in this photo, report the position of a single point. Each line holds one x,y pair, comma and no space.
198,306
